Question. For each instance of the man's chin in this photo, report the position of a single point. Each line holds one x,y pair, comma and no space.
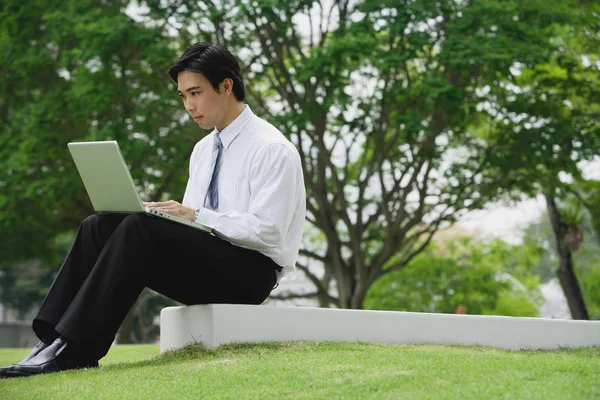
205,126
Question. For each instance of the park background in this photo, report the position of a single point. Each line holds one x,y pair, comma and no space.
424,127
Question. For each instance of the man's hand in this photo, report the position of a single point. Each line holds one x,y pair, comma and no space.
174,208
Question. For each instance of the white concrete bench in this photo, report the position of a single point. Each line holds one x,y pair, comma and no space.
217,324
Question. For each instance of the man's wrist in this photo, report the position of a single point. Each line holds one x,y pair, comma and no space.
196,212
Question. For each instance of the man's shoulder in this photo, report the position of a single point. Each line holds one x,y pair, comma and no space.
266,135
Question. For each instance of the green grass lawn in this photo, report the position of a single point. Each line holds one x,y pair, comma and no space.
319,371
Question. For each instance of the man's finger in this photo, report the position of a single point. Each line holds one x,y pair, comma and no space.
170,210
166,205
169,203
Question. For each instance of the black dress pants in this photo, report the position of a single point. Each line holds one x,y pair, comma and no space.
115,256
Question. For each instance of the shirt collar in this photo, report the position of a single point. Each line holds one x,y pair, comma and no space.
232,130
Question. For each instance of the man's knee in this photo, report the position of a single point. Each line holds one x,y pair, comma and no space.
92,220
89,228
138,226
136,221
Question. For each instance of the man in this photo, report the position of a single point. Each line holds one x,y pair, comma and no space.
245,182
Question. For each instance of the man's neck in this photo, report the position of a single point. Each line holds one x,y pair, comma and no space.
233,113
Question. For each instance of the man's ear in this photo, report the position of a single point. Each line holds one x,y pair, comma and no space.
227,85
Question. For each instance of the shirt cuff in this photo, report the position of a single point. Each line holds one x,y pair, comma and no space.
207,217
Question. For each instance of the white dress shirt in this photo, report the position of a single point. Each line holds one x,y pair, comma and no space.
262,200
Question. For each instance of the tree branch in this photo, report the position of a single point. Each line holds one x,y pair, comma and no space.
312,255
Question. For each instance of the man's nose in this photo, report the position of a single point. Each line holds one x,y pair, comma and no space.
189,106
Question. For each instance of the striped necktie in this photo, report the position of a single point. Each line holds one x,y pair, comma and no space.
212,195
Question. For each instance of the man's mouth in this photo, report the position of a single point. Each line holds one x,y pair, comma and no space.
197,118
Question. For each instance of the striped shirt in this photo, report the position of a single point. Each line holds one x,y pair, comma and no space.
262,200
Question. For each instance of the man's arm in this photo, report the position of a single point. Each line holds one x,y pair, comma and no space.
276,190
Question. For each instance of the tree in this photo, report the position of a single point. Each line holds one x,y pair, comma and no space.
560,102
462,274
386,103
585,259
80,70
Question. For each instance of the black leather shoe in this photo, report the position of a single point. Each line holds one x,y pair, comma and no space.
53,358
5,371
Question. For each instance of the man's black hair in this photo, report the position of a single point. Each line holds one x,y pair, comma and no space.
216,63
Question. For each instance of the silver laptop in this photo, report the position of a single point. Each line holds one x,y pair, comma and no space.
109,184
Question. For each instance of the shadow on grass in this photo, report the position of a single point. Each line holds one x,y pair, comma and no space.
199,352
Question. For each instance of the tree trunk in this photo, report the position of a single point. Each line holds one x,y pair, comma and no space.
323,299
566,274
360,292
344,287
570,285
358,299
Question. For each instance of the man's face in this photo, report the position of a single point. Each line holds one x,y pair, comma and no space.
205,105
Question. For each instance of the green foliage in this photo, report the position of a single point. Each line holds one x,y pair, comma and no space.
572,214
80,70
491,278
554,106
516,304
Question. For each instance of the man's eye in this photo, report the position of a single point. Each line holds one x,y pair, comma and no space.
195,93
